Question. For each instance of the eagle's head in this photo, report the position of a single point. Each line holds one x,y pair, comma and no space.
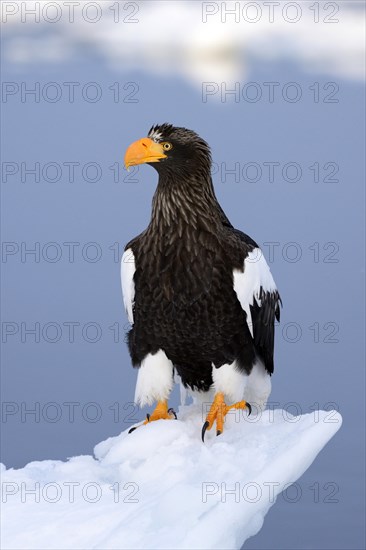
170,150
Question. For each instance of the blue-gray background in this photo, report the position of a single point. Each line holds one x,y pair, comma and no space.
311,371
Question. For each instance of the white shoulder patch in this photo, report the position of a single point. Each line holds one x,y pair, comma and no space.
128,286
247,284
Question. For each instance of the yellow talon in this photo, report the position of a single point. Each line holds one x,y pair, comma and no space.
218,411
161,412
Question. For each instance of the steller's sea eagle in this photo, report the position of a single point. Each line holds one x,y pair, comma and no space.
198,292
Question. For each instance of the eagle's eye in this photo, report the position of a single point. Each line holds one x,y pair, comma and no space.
167,146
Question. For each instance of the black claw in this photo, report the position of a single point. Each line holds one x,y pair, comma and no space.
172,411
132,429
218,432
204,428
148,417
249,409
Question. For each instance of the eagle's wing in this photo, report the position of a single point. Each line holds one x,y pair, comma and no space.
259,297
128,285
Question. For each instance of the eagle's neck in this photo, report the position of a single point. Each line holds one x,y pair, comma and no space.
185,201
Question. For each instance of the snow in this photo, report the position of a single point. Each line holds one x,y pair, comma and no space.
161,487
217,48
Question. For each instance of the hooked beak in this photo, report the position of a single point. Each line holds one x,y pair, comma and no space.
143,150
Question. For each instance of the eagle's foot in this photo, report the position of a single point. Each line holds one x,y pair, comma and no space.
218,411
161,412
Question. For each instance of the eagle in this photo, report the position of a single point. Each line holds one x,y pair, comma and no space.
198,293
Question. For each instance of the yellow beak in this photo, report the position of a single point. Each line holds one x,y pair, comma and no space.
143,150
